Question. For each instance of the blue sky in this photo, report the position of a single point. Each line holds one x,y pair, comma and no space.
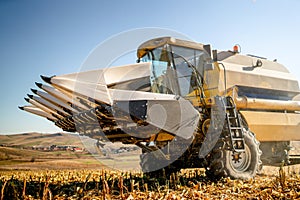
55,37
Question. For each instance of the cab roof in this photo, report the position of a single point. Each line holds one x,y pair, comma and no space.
158,42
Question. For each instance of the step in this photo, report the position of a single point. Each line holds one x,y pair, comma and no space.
237,138
235,128
232,117
239,150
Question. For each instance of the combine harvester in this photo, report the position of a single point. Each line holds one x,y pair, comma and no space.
185,105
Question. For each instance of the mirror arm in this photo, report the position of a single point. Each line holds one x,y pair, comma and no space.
258,63
215,55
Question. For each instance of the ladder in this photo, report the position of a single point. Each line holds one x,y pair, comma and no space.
234,126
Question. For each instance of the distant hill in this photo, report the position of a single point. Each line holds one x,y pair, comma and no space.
41,139
16,152
28,140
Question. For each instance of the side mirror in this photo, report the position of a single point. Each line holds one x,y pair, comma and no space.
209,67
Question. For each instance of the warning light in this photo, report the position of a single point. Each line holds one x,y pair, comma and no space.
236,48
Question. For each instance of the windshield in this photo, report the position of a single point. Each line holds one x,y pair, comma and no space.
172,69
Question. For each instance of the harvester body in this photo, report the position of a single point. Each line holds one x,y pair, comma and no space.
182,102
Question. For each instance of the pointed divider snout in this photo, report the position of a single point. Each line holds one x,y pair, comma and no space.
46,79
30,96
34,91
21,107
39,85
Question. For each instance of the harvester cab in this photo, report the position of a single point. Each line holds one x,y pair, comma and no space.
177,67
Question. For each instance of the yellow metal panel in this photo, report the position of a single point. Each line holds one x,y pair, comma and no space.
162,136
272,126
214,81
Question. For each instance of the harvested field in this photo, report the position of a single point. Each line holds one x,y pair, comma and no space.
273,183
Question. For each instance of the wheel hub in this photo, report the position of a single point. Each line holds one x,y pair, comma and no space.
236,157
241,161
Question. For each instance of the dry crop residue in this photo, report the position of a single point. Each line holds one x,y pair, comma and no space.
106,184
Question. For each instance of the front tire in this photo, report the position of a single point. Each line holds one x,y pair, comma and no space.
151,166
223,164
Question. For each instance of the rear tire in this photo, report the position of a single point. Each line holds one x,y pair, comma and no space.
222,164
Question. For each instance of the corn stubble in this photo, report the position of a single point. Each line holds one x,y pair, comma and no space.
106,184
